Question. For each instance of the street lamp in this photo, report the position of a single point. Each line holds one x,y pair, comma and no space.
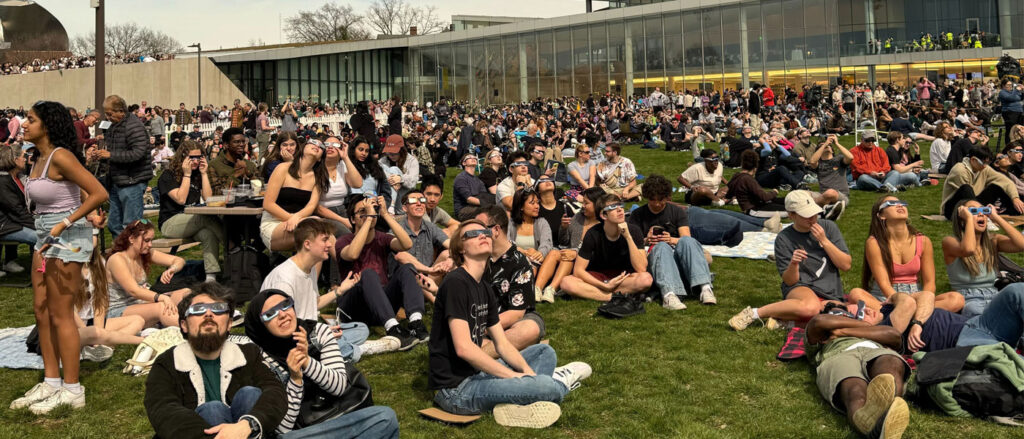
199,72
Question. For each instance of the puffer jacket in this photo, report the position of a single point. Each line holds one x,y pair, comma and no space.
14,214
130,158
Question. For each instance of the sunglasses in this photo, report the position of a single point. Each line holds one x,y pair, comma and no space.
476,233
369,194
520,163
840,310
711,159
333,145
890,203
414,200
584,151
545,180
1001,156
271,313
1017,150
612,207
195,157
198,309
983,210
141,221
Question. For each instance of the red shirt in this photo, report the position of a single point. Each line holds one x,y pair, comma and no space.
867,160
374,255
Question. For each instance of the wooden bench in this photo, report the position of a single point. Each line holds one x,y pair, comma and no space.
173,245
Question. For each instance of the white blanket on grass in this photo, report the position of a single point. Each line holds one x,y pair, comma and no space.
755,245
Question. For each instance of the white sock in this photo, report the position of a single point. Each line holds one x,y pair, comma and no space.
75,388
211,277
756,316
56,383
415,316
391,323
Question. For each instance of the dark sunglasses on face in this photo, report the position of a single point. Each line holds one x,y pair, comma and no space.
584,151
890,203
520,163
712,159
414,200
285,305
613,207
983,210
475,233
198,309
1001,156
195,157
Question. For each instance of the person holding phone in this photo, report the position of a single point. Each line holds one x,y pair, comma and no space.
186,183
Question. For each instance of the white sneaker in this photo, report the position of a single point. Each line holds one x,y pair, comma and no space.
380,345
97,354
548,295
773,224
671,302
718,203
57,399
237,319
13,267
571,374
148,332
37,393
538,295
540,414
707,295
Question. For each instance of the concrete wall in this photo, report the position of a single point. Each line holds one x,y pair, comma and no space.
164,83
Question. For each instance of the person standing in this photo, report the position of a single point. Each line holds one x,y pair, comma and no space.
237,115
129,158
56,189
1010,98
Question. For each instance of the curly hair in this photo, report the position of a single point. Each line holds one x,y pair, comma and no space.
657,187
60,128
186,147
133,230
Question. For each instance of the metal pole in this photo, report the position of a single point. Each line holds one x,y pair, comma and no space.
199,73
100,56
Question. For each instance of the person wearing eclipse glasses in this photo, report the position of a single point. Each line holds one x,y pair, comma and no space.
212,386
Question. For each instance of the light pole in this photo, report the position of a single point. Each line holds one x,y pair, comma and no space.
101,64
199,73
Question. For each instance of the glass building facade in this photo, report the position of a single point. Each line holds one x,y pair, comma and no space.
674,45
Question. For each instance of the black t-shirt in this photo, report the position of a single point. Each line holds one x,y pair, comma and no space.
554,219
459,297
672,217
167,183
605,255
941,331
490,177
511,279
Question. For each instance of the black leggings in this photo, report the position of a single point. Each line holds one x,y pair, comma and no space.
373,303
990,195
1010,118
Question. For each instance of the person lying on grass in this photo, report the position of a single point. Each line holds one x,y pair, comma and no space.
611,258
858,371
809,256
521,388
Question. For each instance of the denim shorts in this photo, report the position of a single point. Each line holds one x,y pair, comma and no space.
900,288
78,235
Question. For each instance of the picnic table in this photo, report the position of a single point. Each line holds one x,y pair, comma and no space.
240,213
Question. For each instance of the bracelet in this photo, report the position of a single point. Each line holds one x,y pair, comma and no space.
156,297
66,221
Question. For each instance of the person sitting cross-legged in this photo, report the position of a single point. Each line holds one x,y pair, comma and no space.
303,354
674,254
809,256
611,258
859,371
521,388
376,297
211,386
429,252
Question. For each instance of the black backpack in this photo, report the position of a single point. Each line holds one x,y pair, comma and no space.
244,270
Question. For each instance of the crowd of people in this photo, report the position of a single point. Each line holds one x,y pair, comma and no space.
73,62
352,219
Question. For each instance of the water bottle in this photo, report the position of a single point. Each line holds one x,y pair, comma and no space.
725,152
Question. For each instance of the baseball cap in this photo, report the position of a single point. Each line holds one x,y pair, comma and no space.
869,136
394,143
801,203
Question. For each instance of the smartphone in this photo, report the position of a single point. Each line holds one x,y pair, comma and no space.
568,210
657,230
105,125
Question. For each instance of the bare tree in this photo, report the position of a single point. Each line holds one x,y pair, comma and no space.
396,17
331,22
127,39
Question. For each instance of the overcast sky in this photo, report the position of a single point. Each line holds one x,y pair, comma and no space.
233,23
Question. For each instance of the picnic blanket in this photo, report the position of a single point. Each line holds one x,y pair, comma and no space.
13,353
755,245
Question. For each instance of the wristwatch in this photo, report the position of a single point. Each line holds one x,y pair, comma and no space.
254,426
916,322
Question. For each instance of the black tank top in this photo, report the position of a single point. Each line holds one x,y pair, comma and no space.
293,199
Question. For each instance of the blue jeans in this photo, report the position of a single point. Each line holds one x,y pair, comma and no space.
668,266
977,299
371,422
353,334
25,236
868,183
216,412
481,392
1002,321
715,226
125,206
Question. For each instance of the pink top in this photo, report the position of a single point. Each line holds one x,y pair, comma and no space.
907,273
52,196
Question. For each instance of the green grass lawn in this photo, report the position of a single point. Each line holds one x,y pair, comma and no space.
661,374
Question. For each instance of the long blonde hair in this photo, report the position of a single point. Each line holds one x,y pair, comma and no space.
989,254
98,280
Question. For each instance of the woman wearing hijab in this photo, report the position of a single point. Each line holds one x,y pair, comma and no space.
304,355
